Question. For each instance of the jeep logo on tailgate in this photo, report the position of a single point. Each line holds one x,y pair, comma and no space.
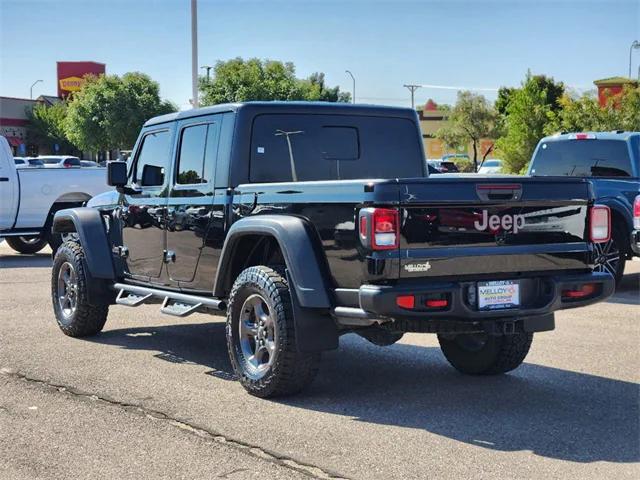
506,222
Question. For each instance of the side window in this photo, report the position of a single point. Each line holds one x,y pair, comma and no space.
198,149
153,151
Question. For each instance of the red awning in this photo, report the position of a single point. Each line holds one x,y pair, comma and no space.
14,141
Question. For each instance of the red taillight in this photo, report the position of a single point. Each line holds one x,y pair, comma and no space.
406,301
636,213
600,224
585,290
385,229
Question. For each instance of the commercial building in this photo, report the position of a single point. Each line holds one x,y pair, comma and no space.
14,121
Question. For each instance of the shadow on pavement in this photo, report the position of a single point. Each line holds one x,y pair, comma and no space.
628,292
551,412
37,260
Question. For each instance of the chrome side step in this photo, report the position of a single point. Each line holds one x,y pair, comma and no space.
173,303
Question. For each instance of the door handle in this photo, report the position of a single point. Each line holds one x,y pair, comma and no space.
4,179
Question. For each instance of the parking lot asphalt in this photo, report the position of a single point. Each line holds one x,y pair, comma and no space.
153,397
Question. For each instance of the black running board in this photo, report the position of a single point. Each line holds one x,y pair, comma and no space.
173,303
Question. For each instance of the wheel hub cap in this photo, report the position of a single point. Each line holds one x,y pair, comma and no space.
67,289
258,336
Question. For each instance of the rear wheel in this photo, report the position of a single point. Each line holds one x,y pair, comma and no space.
482,354
610,256
261,335
27,244
76,317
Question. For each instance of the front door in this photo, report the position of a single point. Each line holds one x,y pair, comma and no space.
193,207
144,212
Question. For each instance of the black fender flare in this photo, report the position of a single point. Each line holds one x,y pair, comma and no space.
87,223
296,240
307,274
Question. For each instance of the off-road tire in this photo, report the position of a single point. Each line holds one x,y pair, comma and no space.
291,370
87,319
499,354
21,246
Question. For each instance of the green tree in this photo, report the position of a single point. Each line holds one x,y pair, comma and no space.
621,112
240,80
47,127
529,110
109,110
470,120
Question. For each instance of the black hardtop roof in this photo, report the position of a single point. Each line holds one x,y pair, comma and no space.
255,108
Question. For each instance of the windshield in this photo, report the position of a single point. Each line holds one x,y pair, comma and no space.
583,158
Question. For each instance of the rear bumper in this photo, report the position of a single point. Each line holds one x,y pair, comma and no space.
635,242
540,296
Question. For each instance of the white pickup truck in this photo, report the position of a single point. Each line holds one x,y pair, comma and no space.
29,197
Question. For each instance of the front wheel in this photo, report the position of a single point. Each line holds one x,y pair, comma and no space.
482,354
76,317
261,335
27,245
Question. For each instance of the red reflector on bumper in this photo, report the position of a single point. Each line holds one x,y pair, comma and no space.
406,301
440,303
586,290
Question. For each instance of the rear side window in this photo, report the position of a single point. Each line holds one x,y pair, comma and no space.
287,147
583,158
153,151
72,162
198,149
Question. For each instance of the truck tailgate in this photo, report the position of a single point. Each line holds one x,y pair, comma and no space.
502,226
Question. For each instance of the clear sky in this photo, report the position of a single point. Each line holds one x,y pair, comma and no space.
384,43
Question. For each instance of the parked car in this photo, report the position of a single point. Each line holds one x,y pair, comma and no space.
89,163
60,161
611,160
29,197
272,212
443,166
28,162
491,165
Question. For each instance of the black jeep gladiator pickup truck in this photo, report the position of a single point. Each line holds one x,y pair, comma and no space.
305,221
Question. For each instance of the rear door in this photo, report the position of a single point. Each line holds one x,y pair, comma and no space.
9,188
461,226
192,201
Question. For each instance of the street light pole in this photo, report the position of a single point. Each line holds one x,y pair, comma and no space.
635,44
412,89
208,69
194,53
31,89
353,95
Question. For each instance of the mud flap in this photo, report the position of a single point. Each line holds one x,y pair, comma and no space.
316,331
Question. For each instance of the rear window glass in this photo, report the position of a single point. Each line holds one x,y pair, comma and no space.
285,147
583,158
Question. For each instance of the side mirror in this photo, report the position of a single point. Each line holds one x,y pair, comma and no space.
152,176
117,173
